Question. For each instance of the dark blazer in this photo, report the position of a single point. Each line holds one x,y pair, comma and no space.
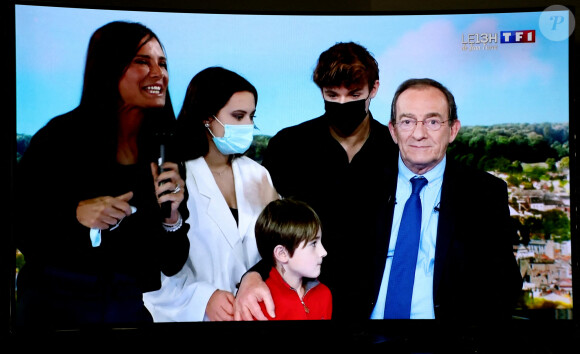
476,276
68,161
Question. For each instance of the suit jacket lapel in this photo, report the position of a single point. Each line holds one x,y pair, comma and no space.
445,228
217,208
244,209
383,227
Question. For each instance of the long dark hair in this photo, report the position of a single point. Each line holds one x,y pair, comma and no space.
207,93
111,49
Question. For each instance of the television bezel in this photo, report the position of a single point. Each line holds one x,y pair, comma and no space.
416,334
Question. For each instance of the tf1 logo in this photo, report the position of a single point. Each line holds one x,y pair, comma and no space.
528,36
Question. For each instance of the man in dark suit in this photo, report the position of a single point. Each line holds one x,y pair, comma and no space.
465,267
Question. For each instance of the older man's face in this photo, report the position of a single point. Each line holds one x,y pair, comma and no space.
421,148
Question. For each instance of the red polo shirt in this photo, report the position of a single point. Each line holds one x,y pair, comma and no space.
315,305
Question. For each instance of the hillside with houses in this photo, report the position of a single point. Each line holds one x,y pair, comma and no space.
541,213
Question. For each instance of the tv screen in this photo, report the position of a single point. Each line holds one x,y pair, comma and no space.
511,71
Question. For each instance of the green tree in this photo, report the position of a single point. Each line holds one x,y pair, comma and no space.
536,173
565,162
535,226
258,147
556,223
515,167
513,180
551,162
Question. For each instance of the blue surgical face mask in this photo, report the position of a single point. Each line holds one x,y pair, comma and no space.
236,140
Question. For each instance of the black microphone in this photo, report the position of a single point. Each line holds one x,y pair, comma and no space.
165,206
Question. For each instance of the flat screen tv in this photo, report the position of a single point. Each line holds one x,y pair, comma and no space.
511,67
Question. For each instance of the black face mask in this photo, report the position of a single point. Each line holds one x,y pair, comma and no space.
345,117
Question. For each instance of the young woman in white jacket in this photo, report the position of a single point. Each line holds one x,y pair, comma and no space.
227,191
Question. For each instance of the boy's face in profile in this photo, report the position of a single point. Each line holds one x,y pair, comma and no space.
307,258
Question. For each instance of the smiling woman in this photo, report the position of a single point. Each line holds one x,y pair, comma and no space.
144,83
94,269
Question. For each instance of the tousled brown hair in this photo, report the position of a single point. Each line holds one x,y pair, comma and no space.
285,222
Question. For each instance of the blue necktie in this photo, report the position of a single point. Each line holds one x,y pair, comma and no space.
402,277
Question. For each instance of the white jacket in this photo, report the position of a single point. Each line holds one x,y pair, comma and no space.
220,251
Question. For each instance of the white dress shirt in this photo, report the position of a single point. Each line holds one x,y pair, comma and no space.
422,301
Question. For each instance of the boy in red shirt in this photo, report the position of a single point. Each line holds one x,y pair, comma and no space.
288,235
